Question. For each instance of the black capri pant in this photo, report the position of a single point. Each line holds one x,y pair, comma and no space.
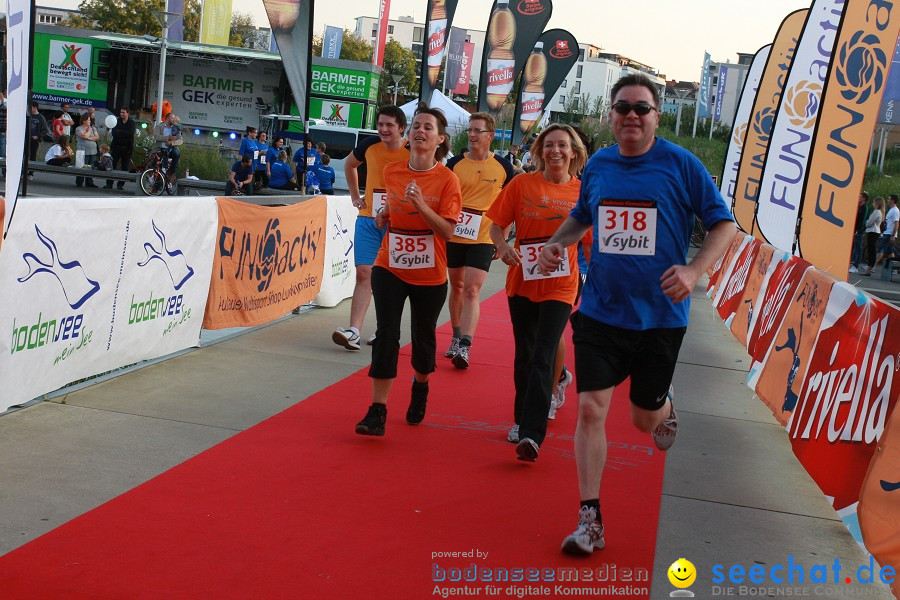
425,303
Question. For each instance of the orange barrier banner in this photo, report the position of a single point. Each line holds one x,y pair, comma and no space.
762,118
848,393
747,308
850,101
731,294
773,305
268,261
784,369
879,499
716,271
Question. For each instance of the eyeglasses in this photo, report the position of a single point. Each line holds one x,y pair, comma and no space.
640,109
477,131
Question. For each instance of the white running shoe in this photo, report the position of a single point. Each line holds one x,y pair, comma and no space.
371,339
558,398
513,436
664,435
461,359
587,537
346,338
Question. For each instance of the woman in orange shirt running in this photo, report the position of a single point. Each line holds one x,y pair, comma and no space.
539,305
423,201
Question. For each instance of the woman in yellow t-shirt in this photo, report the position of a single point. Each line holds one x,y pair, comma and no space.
539,305
422,204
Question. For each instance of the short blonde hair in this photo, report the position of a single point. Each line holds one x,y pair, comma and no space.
578,161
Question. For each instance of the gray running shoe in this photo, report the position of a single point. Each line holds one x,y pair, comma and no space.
664,435
346,338
453,349
587,537
527,449
513,436
461,360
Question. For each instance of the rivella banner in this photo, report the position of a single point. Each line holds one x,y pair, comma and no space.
268,261
291,22
840,152
73,309
437,27
762,117
511,34
554,55
784,173
739,127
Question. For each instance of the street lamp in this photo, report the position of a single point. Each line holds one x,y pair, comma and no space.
166,19
396,79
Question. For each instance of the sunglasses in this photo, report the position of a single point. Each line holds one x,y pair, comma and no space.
640,109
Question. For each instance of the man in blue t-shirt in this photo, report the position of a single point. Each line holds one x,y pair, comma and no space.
641,197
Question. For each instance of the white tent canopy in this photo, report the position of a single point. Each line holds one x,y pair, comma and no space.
457,116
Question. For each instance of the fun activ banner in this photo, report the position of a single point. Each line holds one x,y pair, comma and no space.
291,22
513,28
784,173
73,309
268,261
762,115
554,55
739,127
840,152
439,19
18,82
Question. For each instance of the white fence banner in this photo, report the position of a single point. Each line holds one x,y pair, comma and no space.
339,274
107,284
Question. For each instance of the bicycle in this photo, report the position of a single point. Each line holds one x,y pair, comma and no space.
155,179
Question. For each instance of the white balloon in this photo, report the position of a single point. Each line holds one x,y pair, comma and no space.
111,121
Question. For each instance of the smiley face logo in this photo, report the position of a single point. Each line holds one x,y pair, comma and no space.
682,573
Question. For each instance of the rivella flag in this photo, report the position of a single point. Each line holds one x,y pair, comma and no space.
784,171
215,22
554,54
291,22
741,120
762,117
18,68
850,102
383,18
513,28
437,27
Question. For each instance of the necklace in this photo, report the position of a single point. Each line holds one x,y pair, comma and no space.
412,168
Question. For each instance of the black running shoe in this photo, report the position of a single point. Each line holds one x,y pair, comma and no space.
373,422
416,411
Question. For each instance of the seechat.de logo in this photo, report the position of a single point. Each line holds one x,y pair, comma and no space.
861,67
801,103
173,261
76,286
763,122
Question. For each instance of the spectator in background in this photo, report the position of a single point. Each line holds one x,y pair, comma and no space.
56,126
859,231
272,155
60,155
167,134
105,162
86,141
511,154
249,146
37,130
67,120
326,177
122,146
309,156
241,177
281,176
91,116
261,176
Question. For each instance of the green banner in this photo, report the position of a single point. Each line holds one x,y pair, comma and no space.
344,83
69,69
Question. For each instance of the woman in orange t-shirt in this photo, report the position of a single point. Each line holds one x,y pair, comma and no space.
423,201
539,305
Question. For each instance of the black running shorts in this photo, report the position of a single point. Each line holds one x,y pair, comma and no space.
606,355
479,256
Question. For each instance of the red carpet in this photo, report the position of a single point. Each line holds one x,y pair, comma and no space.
301,507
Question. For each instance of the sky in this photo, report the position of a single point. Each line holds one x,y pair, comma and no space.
668,35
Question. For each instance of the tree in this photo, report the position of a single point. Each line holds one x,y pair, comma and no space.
242,30
133,17
191,18
398,61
